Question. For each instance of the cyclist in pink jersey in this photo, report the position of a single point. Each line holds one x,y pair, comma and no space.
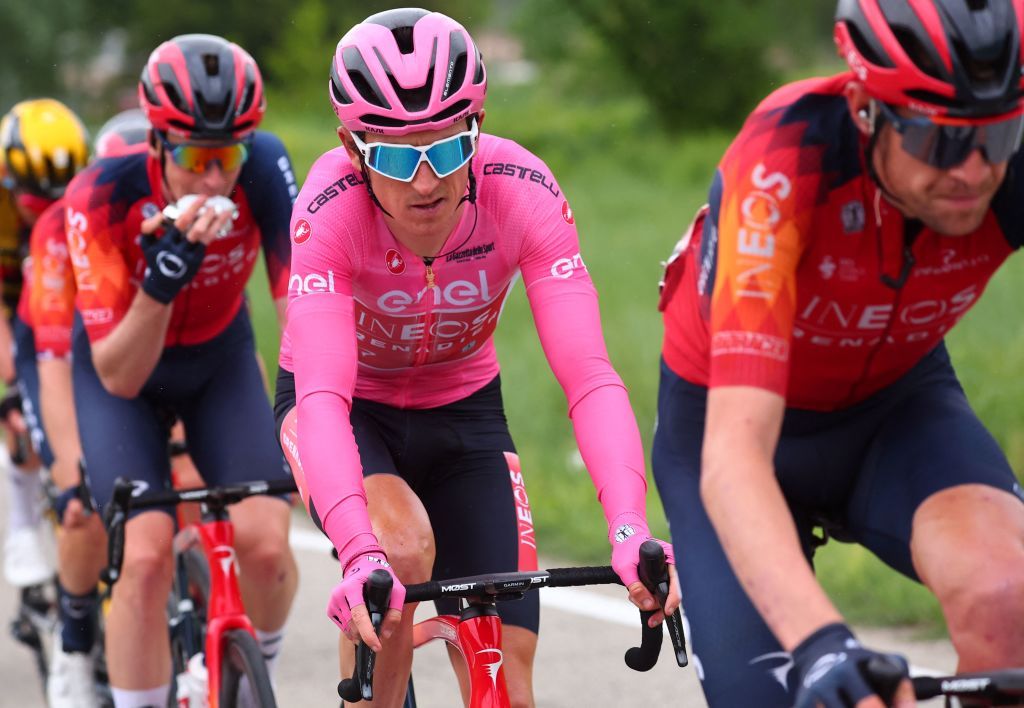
805,384
389,389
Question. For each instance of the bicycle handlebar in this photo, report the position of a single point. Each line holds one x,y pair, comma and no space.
124,500
1001,684
654,574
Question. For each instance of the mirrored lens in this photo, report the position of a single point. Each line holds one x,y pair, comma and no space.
450,155
945,146
395,161
198,159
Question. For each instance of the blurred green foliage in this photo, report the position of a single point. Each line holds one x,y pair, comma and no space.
696,64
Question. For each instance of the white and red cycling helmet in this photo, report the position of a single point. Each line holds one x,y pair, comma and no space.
123,133
202,87
406,70
955,58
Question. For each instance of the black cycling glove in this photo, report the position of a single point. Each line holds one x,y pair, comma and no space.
171,262
829,666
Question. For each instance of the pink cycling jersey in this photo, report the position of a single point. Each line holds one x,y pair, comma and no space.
367,318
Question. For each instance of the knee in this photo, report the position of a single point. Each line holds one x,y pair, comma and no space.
145,577
268,560
986,604
410,552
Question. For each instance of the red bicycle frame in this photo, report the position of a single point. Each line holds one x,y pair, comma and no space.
224,610
478,640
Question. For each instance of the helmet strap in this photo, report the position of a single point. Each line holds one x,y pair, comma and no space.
877,122
369,187
470,195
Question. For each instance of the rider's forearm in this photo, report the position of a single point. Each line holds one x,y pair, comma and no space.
57,405
126,357
610,444
746,506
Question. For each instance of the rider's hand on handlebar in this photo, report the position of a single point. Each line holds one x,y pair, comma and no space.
348,608
626,534
829,667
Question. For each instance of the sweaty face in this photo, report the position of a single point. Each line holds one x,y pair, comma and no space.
425,210
952,201
179,181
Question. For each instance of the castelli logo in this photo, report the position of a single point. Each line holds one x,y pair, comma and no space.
394,261
302,231
567,213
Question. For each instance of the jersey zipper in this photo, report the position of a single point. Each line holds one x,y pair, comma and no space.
423,352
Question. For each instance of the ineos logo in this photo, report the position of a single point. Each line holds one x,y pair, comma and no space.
171,265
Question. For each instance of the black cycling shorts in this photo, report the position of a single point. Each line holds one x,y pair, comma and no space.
458,459
864,469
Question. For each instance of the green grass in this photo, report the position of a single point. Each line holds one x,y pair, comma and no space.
633,191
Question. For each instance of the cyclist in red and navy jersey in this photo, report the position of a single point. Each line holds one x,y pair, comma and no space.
804,383
164,332
399,273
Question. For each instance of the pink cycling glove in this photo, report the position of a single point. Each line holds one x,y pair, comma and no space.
626,533
349,592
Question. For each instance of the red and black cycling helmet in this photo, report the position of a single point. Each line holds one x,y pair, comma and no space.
202,87
955,58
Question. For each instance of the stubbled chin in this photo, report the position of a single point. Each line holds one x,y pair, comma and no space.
957,224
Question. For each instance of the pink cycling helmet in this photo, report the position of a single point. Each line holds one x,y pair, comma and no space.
202,87
956,58
406,70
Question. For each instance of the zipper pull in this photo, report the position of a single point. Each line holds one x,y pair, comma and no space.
428,262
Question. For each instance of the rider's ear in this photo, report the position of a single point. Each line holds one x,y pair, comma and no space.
860,106
354,156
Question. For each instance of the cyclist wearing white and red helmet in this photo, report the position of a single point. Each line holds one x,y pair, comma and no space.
853,221
165,333
407,240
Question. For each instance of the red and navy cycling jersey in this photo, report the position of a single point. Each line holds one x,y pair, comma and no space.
802,279
105,206
47,303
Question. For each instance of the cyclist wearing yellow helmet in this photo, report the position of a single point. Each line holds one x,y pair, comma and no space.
42,145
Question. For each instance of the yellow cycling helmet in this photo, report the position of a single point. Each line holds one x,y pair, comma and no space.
42,145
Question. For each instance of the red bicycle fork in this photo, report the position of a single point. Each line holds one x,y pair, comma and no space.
225,610
477,636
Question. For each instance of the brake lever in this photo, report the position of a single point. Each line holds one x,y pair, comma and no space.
376,592
654,574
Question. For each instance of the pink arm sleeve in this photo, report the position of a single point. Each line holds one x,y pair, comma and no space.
569,325
322,331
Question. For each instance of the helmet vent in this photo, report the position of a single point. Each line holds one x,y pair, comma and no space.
918,53
170,84
403,38
456,70
336,90
864,47
360,76
250,91
211,64
414,99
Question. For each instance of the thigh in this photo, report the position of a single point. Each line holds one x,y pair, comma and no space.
228,421
474,513
931,442
120,437
28,387
736,656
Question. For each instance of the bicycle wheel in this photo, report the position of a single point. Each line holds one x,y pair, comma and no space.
186,606
241,656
